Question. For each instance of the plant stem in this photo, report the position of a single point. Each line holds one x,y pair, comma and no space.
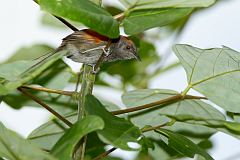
43,89
172,99
45,106
88,80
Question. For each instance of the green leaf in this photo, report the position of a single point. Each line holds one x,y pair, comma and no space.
156,116
183,145
117,131
85,12
47,135
13,74
14,147
146,4
30,52
56,77
65,146
231,128
213,72
141,20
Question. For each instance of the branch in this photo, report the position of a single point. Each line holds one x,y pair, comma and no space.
45,106
69,25
172,99
43,89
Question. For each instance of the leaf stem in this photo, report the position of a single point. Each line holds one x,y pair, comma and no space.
45,106
186,90
172,99
159,126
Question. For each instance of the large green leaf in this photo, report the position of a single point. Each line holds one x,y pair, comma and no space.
183,145
117,131
195,108
141,20
213,72
14,147
155,116
149,4
65,146
86,12
13,75
56,77
47,135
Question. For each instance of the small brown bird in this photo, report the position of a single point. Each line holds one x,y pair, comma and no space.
86,46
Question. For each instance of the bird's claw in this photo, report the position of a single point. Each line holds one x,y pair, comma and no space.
95,70
106,52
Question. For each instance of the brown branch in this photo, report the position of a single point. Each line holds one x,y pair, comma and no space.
172,99
103,155
43,89
69,25
45,106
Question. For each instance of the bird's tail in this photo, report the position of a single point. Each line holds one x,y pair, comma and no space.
40,61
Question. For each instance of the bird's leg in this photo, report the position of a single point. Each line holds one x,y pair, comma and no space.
96,68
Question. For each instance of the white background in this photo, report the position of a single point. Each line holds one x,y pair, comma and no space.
20,26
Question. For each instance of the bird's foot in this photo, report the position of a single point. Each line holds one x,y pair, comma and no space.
95,70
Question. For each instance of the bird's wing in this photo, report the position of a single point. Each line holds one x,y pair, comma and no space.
85,40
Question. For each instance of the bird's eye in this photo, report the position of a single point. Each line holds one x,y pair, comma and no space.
128,47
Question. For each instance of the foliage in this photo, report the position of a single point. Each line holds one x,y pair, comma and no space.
163,123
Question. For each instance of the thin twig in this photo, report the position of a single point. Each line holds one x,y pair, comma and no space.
43,89
155,127
45,106
103,155
157,103
69,25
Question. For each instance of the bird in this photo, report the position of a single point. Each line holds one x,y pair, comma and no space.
86,46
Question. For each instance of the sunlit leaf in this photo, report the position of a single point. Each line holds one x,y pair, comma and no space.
14,147
86,12
183,145
64,148
213,72
117,131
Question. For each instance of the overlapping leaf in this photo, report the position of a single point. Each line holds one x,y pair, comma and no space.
183,145
14,147
117,131
47,135
64,148
214,73
86,12
154,116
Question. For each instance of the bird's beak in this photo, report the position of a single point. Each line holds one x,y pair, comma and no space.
136,55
